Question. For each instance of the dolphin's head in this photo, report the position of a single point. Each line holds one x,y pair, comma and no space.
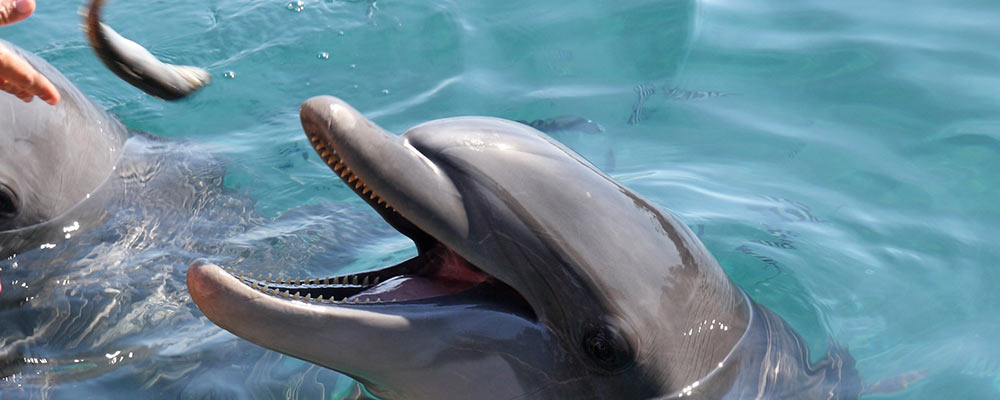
52,157
536,275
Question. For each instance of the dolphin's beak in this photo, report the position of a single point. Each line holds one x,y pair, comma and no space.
405,182
407,346
245,312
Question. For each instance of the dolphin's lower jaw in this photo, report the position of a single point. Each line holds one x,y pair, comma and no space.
397,349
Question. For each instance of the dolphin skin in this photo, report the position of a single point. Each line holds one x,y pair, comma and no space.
51,159
537,276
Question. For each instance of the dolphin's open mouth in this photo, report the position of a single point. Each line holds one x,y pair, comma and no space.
435,272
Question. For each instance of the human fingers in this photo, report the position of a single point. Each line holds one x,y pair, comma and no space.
17,92
46,91
19,76
12,11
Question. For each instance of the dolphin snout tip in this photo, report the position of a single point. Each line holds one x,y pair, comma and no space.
317,106
200,277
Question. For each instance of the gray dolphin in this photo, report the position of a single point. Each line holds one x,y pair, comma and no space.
52,158
537,276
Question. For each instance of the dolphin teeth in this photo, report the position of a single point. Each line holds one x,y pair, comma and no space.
380,201
311,281
378,300
309,297
354,280
314,139
260,277
353,301
326,281
365,282
281,280
366,190
375,282
255,285
296,296
358,185
298,281
269,278
325,155
367,300
338,166
352,179
285,294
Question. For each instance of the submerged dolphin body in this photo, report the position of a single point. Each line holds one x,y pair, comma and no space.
537,276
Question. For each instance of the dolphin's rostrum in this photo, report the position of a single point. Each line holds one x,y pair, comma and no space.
537,276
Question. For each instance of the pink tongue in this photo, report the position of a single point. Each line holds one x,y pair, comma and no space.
452,274
411,287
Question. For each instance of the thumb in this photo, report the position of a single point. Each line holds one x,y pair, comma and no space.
12,11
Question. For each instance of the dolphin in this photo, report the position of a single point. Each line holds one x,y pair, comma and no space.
52,158
90,215
537,276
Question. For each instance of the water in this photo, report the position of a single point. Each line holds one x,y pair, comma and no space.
839,159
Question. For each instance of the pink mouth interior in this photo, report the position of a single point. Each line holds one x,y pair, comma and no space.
445,273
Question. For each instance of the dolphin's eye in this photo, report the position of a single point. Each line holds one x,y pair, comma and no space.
607,348
8,202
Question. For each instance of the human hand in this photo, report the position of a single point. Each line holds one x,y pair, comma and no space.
16,75
12,11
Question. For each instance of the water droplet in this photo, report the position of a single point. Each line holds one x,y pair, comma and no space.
341,33
385,91
323,55
229,74
296,6
353,66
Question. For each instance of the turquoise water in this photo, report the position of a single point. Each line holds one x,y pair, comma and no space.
839,159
